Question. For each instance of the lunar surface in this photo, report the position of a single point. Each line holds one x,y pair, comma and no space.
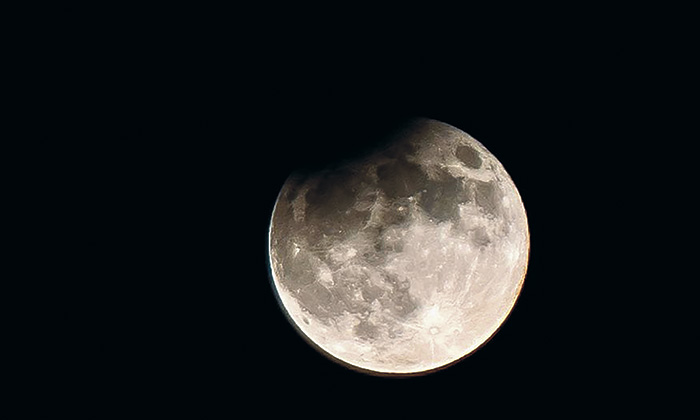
405,260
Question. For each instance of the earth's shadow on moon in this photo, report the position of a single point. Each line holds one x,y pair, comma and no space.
349,142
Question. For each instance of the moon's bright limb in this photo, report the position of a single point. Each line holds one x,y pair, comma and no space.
405,261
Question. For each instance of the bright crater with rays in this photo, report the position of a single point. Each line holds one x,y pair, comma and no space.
406,260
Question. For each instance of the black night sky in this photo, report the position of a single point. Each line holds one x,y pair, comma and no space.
179,130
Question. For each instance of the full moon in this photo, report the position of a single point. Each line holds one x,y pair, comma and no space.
404,260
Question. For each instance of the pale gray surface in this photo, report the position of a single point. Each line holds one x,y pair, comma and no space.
406,260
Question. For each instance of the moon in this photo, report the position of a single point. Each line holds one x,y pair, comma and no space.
405,260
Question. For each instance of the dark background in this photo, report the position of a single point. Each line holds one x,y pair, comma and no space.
170,133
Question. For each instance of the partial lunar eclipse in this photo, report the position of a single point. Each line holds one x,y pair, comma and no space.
405,260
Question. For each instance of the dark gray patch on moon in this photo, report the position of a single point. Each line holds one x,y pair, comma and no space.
401,304
292,192
468,156
401,178
371,292
441,198
334,193
330,211
365,330
299,269
349,284
395,213
400,148
317,300
487,196
480,237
